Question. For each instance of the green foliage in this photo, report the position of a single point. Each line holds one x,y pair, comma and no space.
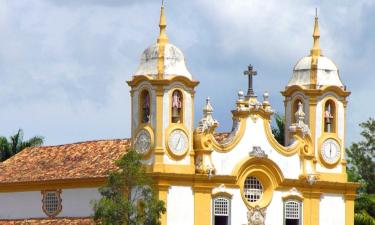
365,210
15,144
127,198
361,159
279,131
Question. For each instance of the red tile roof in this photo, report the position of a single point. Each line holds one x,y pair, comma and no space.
55,221
91,159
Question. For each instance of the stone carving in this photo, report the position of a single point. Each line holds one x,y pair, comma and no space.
207,123
300,124
256,216
258,152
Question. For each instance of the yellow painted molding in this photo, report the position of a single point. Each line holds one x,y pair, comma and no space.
222,194
162,82
315,92
53,184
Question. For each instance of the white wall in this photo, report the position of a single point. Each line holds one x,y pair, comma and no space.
19,205
255,136
332,210
180,206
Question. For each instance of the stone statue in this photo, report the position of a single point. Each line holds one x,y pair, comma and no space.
256,216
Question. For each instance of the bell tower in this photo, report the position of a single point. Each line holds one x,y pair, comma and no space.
315,87
162,99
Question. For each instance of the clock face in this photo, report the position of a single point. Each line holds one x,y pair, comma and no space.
142,142
178,142
330,151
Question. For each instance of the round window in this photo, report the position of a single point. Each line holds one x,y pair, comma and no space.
253,189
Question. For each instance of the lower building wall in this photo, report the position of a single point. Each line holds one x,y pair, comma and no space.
21,205
180,205
332,210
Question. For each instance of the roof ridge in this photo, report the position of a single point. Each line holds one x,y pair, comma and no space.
81,142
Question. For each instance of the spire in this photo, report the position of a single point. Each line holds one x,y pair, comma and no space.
316,51
162,39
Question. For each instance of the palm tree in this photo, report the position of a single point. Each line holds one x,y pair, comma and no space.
365,210
279,131
15,144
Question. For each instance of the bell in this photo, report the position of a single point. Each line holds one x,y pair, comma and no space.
175,115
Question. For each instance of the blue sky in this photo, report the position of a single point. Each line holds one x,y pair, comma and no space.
63,64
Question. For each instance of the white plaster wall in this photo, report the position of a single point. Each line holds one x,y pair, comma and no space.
180,205
75,203
255,136
21,205
275,210
332,210
239,209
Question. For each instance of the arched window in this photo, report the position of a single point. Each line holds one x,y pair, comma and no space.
292,212
221,210
145,106
295,109
329,116
177,106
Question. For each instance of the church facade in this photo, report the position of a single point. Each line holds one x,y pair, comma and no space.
244,177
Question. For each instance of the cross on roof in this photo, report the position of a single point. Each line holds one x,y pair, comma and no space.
250,73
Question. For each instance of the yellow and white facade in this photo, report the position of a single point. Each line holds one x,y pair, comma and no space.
246,176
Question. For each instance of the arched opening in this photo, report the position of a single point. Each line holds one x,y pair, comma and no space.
145,107
177,106
329,116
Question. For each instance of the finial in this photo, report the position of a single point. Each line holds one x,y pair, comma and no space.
208,108
250,73
162,39
316,51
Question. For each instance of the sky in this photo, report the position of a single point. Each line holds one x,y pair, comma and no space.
64,64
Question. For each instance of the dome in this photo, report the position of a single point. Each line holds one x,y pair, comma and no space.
174,61
327,72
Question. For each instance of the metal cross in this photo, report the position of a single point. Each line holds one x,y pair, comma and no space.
250,73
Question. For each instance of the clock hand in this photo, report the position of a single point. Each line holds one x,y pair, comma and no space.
330,150
178,142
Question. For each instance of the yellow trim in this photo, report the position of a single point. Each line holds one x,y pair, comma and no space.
349,208
229,146
168,131
286,151
163,82
202,206
268,173
310,207
159,150
53,184
162,192
321,140
148,129
315,92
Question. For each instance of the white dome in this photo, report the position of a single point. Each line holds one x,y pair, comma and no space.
174,62
327,74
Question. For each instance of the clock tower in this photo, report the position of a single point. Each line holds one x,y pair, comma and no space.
316,88
162,99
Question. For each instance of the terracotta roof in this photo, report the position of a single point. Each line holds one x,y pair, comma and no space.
91,159
219,137
55,221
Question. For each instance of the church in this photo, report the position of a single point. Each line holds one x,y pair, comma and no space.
243,177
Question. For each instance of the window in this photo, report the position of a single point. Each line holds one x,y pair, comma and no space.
292,212
145,106
177,106
221,208
51,202
253,189
329,116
